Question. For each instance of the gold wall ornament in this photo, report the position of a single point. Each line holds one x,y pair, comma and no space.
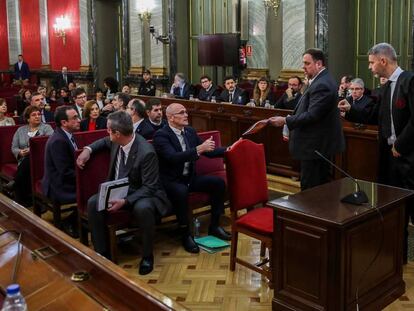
272,4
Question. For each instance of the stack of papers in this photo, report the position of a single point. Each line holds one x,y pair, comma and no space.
211,244
112,190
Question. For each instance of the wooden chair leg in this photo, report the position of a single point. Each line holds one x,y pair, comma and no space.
233,250
83,230
262,249
57,216
37,210
112,243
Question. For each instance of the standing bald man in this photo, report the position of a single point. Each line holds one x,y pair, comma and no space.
179,147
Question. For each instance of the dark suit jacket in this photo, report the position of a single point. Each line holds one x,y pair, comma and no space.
23,73
147,88
60,82
171,155
187,90
315,123
59,180
143,175
238,92
146,129
78,111
360,104
206,95
283,102
100,124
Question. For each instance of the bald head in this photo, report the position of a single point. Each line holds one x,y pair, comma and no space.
177,116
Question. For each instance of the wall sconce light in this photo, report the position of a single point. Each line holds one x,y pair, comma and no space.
144,9
62,24
272,4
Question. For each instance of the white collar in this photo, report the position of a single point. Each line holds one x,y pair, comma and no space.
311,80
396,74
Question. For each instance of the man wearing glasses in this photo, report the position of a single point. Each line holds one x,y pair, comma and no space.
357,99
178,147
59,180
79,96
208,90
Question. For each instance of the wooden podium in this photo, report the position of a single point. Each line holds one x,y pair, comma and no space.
323,248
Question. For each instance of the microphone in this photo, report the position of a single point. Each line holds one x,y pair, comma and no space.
356,198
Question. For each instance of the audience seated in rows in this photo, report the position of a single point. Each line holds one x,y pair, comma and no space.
118,102
132,157
262,93
178,147
232,93
92,120
147,85
24,97
209,91
64,98
292,95
4,119
20,149
58,182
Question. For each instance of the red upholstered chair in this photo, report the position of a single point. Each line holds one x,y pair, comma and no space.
8,163
247,186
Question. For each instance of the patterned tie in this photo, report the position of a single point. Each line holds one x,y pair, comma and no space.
122,171
72,139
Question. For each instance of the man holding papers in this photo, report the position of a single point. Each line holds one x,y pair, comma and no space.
134,158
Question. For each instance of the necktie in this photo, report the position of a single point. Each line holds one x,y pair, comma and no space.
72,139
386,111
185,145
230,97
65,77
122,171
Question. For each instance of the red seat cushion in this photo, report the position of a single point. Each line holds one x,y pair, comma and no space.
259,220
9,169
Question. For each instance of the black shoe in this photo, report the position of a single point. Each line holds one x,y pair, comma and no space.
190,245
10,185
220,233
146,265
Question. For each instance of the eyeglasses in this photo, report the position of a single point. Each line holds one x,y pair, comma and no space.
74,118
181,112
204,81
355,89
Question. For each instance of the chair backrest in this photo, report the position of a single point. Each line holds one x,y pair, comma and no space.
89,178
37,158
246,174
6,138
85,138
206,165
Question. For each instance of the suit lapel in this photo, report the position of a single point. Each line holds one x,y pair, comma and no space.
132,155
175,140
112,163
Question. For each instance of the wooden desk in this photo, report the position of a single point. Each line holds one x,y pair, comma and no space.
322,248
46,283
359,159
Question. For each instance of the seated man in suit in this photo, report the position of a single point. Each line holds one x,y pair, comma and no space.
59,180
208,89
154,121
133,157
119,102
232,93
63,78
136,109
38,100
358,100
147,85
290,99
178,147
21,70
79,96
181,88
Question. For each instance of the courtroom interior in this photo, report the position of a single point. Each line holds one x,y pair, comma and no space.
207,155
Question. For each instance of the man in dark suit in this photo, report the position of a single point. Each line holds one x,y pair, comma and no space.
358,100
315,123
21,70
393,111
178,147
136,109
63,79
79,97
154,120
181,88
59,180
38,100
208,90
147,85
232,93
133,157
290,99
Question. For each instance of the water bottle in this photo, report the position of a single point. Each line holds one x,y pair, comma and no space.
267,103
251,103
196,228
285,132
14,300
191,97
213,99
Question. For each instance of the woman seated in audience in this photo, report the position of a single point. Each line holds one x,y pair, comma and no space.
92,119
64,98
20,149
111,88
25,96
99,97
4,121
52,97
262,93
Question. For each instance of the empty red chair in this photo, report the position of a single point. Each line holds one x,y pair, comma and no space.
247,186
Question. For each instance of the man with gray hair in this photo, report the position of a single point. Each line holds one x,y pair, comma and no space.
132,157
180,88
357,98
394,114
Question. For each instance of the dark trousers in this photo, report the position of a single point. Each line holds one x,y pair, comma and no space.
178,194
314,173
23,186
144,213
